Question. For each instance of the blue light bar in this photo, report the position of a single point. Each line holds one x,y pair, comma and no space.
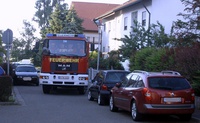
66,35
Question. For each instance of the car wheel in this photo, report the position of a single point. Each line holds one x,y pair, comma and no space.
112,106
46,89
100,100
134,112
90,98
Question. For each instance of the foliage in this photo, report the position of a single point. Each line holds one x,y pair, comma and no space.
138,62
5,88
57,20
44,10
188,31
17,49
154,61
37,51
185,60
73,24
141,38
188,59
22,48
2,50
159,38
196,82
136,40
112,62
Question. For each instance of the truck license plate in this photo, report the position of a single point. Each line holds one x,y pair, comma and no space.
63,77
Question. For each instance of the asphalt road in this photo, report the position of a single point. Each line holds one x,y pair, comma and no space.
65,106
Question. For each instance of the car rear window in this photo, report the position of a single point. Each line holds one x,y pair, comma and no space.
172,83
26,69
115,77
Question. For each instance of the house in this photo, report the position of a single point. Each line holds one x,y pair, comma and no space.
88,11
118,22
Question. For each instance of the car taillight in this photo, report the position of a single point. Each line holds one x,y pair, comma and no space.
193,95
104,87
147,94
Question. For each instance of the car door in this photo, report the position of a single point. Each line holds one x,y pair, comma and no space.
94,89
127,92
118,92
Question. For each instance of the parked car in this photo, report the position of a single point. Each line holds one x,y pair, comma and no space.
2,71
165,92
26,74
103,82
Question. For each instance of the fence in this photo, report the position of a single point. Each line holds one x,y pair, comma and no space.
91,74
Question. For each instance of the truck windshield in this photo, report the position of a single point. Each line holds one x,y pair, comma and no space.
67,47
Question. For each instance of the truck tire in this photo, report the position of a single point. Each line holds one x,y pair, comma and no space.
46,89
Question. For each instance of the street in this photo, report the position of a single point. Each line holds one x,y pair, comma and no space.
64,106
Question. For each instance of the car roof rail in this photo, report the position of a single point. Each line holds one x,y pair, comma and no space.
170,72
141,71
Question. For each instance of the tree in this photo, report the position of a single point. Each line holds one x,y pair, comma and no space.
188,31
73,23
141,38
43,13
55,22
28,38
2,50
17,49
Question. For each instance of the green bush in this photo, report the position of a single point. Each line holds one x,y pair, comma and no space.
138,62
5,88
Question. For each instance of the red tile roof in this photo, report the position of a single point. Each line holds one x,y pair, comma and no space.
118,8
88,11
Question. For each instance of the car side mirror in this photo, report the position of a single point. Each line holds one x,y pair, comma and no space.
45,51
118,84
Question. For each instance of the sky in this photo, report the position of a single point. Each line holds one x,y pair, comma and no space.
13,13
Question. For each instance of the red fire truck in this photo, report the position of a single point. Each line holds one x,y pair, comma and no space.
64,62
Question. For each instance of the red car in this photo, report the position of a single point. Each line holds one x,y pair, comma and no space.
165,92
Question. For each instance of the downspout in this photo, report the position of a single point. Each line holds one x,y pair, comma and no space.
149,17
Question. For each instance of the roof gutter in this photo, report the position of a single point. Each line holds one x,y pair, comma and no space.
112,12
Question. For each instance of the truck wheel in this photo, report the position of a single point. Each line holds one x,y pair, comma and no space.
46,89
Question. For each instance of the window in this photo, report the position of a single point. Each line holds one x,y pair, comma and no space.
144,18
104,49
109,26
88,38
139,82
104,27
132,81
173,83
134,18
125,23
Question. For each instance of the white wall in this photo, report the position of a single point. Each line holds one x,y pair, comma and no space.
165,11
